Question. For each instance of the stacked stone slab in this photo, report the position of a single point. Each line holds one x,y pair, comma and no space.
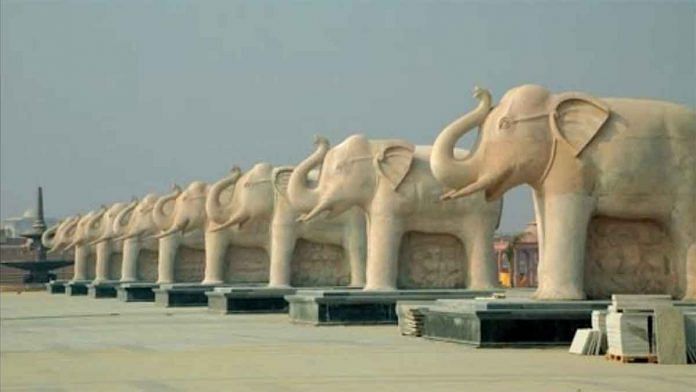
645,327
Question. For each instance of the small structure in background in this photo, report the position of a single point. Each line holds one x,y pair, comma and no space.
39,268
517,257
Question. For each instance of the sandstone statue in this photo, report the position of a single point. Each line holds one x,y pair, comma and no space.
391,182
177,217
585,157
136,227
260,212
98,232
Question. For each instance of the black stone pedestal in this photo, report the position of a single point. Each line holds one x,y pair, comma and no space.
136,292
228,300
182,294
105,289
507,322
346,307
76,287
56,286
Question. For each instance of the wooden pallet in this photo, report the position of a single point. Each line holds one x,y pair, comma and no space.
632,359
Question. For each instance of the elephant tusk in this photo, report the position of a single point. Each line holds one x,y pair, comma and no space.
483,183
312,214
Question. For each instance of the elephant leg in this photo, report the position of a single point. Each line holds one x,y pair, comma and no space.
384,239
216,244
355,245
482,271
129,266
166,261
103,258
539,216
80,263
561,271
283,241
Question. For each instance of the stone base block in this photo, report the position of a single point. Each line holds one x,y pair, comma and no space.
56,286
182,294
228,300
106,289
504,323
76,287
347,307
136,292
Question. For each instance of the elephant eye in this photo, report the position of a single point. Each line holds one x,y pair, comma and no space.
505,122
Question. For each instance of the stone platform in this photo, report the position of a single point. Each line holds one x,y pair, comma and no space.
348,307
182,294
190,294
507,322
103,289
76,287
136,292
512,322
228,300
56,286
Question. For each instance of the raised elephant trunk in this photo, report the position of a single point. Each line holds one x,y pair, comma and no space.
161,219
49,235
65,233
453,172
213,207
120,221
301,196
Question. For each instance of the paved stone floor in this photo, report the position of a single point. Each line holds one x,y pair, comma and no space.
58,343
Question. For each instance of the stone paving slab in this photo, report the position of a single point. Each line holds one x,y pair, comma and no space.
61,343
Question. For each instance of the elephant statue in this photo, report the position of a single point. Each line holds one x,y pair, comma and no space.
391,182
58,237
135,226
80,242
584,157
259,211
100,231
179,218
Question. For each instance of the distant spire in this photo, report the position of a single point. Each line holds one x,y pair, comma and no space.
37,229
39,225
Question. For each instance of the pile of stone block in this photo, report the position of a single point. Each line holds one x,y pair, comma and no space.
591,341
411,317
641,328
645,328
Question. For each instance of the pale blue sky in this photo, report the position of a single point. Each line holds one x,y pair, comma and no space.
102,100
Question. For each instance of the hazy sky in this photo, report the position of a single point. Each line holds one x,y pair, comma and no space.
103,100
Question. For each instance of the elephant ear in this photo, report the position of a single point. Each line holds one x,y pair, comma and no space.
393,160
280,177
577,118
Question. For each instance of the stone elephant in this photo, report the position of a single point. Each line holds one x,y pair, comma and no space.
135,226
59,236
390,180
80,244
259,204
99,233
585,157
180,220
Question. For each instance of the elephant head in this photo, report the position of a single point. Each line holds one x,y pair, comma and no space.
137,220
189,209
163,210
219,212
252,197
105,224
518,140
86,229
350,175
58,237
